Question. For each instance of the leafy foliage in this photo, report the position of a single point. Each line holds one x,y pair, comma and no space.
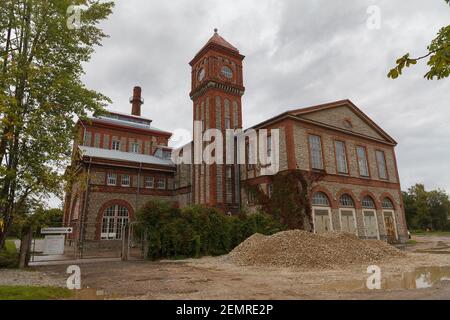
197,231
426,209
289,202
41,94
438,53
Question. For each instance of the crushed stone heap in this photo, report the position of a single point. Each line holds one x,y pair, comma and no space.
303,249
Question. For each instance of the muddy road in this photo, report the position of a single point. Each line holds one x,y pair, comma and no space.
423,274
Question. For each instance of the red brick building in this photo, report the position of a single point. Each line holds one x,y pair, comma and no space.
122,161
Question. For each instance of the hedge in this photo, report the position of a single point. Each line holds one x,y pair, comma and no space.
197,231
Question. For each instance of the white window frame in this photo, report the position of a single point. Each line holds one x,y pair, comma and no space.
164,186
114,144
147,179
122,180
314,216
108,179
354,217
312,151
376,220
114,236
344,155
269,146
360,161
134,148
381,165
395,221
227,123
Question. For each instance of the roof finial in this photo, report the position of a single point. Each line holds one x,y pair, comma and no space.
216,30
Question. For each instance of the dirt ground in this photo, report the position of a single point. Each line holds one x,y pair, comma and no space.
215,278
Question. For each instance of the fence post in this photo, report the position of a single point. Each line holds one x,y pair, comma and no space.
125,241
25,245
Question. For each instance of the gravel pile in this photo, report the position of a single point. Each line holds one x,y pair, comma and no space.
303,249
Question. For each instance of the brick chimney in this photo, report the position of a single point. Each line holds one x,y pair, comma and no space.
136,101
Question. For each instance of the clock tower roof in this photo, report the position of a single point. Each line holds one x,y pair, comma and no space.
217,39
219,42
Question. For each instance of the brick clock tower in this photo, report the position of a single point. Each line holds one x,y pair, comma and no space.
217,88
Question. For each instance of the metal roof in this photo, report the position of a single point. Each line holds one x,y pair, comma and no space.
123,156
126,123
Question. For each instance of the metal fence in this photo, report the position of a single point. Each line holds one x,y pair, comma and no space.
92,243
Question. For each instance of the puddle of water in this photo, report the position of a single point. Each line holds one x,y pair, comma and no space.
421,278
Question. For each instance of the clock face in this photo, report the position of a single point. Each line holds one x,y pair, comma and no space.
201,74
227,72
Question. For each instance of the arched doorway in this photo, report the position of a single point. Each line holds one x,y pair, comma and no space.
321,213
370,218
347,214
389,220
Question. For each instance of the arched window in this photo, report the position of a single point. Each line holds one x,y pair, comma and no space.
387,204
346,201
320,199
114,219
368,203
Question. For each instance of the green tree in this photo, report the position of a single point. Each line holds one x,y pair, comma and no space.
41,93
438,54
426,209
439,204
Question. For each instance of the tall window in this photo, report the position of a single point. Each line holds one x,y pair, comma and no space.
362,161
315,145
341,157
149,182
116,145
227,123
135,147
250,155
126,180
381,162
113,222
229,172
111,179
269,146
162,183
229,182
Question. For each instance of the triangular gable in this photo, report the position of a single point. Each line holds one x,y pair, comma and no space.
346,116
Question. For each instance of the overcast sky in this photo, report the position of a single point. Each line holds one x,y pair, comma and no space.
298,53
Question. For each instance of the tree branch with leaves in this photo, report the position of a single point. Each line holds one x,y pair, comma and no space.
438,54
41,94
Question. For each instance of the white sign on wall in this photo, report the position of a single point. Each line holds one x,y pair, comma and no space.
54,245
56,230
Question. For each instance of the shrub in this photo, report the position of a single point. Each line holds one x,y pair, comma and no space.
197,231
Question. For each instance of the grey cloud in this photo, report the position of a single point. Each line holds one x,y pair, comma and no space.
299,53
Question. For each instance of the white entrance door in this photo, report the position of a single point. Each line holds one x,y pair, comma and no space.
348,222
371,224
322,221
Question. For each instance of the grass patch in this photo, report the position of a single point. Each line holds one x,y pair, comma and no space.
411,242
9,257
10,246
431,233
34,293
